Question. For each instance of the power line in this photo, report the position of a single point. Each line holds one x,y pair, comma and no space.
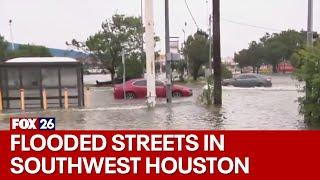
194,20
250,25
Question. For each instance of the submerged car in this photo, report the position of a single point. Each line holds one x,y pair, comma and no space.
248,80
137,88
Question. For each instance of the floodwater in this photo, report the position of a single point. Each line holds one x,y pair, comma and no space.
275,108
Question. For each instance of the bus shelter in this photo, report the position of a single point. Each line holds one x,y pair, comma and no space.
34,74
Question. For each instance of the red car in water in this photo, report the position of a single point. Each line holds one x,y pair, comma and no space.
137,88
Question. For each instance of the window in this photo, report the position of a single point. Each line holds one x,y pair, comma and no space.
140,83
30,78
159,83
251,77
242,77
13,78
50,77
247,76
68,77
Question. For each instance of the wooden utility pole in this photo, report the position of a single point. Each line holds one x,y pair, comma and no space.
310,24
217,92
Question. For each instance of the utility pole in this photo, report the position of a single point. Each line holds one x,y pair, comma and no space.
168,54
149,47
210,39
309,41
310,24
11,35
217,92
210,45
141,13
124,74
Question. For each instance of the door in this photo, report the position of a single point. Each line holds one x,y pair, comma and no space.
140,88
160,89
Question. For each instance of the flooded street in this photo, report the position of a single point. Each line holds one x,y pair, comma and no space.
244,108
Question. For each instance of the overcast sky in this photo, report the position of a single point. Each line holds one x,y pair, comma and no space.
53,22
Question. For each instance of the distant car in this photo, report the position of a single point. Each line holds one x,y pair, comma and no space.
137,88
248,80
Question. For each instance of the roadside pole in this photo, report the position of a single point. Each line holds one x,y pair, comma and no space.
210,39
168,54
310,24
124,74
150,63
11,35
210,45
217,92
309,40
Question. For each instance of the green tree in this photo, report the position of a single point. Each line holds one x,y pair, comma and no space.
281,46
226,73
29,51
134,68
180,66
256,54
308,70
117,34
197,51
271,49
3,48
242,58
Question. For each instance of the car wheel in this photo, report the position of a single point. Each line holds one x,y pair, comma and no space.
177,94
130,95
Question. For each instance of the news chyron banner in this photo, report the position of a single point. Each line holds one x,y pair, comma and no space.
34,149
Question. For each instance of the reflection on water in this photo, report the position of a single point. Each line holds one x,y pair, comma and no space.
249,108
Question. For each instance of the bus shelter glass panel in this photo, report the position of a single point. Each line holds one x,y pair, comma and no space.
32,87
50,82
13,78
13,87
70,82
69,77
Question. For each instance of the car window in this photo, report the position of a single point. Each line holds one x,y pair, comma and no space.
159,83
140,83
251,77
247,76
242,77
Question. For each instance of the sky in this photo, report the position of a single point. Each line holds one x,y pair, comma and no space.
53,22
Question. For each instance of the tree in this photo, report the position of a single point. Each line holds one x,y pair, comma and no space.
134,68
256,53
29,51
272,49
117,34
281,46
308,70
3,48
197,51
180,66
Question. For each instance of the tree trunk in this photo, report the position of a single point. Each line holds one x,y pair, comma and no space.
274,68
217,92
253,69
112,72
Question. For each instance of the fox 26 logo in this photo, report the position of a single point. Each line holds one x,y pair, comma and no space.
46,124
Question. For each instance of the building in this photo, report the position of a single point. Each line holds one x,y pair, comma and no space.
35,74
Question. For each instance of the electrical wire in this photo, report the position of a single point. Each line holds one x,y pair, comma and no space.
250,25
194,20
